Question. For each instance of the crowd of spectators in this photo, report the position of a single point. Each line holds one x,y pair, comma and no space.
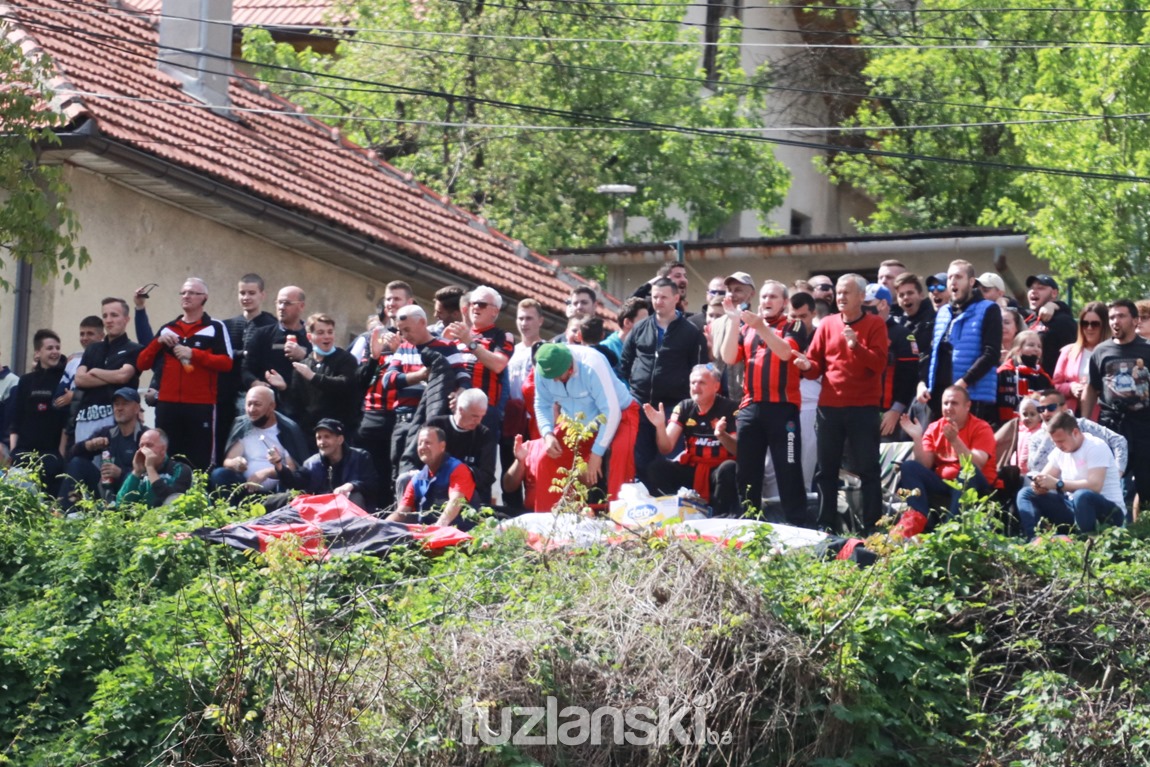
772,390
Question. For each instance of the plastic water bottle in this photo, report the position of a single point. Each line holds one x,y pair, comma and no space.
105,459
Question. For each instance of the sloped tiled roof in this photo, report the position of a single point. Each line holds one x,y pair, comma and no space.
105,71
303,14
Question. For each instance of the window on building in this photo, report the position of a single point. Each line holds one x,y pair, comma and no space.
800,224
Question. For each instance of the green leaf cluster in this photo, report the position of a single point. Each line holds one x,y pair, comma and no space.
124,641
36,226
518,111
1062,88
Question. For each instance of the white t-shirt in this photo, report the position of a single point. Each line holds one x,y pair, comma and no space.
518,368
256,451
1093,454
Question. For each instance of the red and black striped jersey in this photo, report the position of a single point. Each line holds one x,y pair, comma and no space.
768,378
499,342
701,444
389,389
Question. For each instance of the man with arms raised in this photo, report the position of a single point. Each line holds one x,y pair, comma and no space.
1079,485
707,423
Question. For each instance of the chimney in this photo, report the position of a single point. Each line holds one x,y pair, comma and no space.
196,48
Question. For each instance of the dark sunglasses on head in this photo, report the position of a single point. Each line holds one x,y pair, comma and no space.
480,304
937,288
1091,323
1053,406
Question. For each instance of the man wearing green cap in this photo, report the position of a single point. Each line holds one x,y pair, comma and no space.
580,381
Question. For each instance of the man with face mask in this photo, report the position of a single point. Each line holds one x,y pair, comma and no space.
324,384
252,438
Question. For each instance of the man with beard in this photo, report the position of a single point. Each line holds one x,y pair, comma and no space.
252,438
100,463
966,347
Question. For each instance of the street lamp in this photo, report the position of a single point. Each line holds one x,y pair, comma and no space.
617,218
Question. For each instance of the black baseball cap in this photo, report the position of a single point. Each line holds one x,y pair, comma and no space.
331,424
1042,279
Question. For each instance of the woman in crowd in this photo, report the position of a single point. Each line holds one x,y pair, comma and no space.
1012,325
1072,373
1021,374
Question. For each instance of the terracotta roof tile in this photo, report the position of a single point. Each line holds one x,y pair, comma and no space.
106,70
269,13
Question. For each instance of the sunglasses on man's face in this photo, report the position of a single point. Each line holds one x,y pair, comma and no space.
827,287
1052,407
937,288
480,304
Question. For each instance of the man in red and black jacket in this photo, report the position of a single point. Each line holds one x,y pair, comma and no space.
194,349
850,351
397,382
769,413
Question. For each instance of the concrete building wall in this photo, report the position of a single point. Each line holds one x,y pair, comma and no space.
134,239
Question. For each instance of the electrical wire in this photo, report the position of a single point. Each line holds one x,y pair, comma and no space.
702,81
976,44
702,132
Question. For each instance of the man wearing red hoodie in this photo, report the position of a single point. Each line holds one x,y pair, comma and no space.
849,350
194,349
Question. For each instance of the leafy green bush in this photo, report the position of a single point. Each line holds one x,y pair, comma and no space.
124,642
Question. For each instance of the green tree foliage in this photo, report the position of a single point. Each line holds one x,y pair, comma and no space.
442,88
123,641
1055,89
35,225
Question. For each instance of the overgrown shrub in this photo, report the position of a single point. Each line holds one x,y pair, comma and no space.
123,642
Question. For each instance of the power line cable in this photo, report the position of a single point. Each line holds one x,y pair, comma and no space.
702,81
704,132
978,44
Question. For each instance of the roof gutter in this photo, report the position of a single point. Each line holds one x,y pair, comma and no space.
660,254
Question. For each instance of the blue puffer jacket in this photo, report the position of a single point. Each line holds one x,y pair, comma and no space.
966,340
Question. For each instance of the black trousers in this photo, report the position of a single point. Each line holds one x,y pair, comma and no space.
190,430
853,433
773,426
374,436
